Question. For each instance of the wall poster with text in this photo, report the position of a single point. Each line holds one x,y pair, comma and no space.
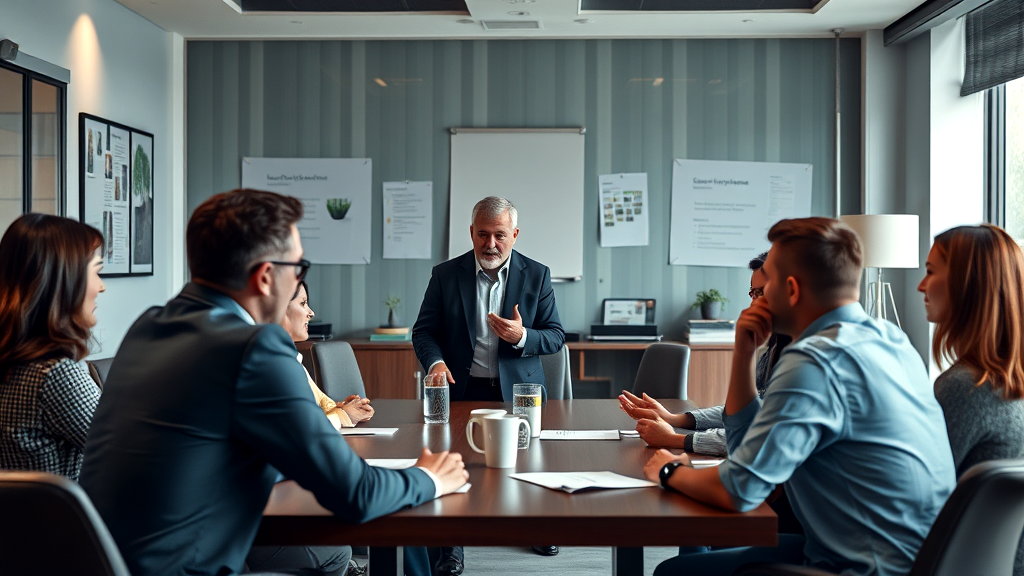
116,193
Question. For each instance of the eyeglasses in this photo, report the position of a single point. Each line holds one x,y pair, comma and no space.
755,293
301,267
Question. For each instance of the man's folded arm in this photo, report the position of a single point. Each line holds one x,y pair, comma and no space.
780,432
276,416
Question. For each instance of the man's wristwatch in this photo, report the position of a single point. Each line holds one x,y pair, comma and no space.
666,473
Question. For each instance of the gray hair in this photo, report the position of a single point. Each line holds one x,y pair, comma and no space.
495,207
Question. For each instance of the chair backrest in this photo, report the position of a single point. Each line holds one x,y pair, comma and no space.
663,371
335,369
979,528
557,377
99,369
48,518
306,349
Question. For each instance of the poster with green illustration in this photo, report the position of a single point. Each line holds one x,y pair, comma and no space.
142,203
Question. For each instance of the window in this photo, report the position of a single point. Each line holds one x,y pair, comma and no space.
32,136
1014,158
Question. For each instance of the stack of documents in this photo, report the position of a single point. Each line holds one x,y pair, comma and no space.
575,481
712,331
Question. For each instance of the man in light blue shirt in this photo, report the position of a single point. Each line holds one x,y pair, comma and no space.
849,422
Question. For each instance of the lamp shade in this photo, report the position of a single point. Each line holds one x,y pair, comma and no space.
888,240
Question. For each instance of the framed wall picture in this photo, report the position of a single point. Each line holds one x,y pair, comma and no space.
116,193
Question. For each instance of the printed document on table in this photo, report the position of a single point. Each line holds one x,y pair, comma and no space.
367,431
408,219
721,211
575,481
579,435
705,462
402,464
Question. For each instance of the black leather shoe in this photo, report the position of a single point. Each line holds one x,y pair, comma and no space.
449,566
546,550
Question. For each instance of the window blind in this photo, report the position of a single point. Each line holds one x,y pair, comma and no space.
994,51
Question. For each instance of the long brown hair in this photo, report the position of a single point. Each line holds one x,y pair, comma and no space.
44,273
982,327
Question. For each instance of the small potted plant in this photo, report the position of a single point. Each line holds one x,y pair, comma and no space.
711,303
393,302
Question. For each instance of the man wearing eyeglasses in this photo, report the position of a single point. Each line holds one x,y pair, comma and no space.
205,406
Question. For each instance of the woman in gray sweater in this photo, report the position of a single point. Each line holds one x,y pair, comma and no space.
974,293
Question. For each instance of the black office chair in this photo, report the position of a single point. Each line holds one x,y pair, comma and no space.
977,531
663,371
99,369
557,378
335,369
50,527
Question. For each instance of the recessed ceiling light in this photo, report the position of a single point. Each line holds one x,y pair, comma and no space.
749,20
465,21
584,21
658,81
381,82
518,13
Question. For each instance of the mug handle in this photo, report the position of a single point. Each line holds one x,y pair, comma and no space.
521,422
469,434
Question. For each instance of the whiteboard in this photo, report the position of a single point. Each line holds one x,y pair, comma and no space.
541,173
722,210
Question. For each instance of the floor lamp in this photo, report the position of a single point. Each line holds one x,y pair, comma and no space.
888,241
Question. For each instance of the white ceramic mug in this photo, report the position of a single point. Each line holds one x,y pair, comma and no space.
478,416
502,444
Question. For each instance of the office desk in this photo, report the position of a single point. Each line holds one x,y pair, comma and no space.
388,368
710,365
501,511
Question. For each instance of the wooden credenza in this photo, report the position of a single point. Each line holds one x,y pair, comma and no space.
389,368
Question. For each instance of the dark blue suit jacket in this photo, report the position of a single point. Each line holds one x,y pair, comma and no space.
446,326
199,412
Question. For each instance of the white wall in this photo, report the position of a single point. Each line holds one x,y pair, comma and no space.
122,69
943,156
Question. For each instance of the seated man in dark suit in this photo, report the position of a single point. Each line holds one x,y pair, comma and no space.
205,403
485,319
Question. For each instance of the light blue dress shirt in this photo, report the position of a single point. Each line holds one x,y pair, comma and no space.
851,424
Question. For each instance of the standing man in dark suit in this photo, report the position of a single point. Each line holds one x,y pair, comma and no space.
205,403
486,317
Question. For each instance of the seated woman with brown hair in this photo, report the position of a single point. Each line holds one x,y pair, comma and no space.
49,280
296,319
974,293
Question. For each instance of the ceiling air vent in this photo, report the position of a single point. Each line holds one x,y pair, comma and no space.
511,24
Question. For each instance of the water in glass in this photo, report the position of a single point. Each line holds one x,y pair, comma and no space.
435,399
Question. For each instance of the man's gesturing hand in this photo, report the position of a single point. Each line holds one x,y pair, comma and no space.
447,466
753,327
510,331
441,367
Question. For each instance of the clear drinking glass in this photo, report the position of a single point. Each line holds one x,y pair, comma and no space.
526,403
435,398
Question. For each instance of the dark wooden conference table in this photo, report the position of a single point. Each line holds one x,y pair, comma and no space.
501,511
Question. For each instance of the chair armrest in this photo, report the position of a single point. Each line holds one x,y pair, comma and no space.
775,569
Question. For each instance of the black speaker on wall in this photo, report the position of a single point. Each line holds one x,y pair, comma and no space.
8,50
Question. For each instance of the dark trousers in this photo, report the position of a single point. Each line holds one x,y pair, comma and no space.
482,389
724,562
300,560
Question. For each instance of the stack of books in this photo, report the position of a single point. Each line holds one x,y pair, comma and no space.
712,331
383,334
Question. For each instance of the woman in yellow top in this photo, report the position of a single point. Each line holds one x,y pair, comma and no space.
296,322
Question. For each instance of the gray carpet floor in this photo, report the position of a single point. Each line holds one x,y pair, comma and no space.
568,562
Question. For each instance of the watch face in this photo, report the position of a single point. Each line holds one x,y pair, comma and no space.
667,471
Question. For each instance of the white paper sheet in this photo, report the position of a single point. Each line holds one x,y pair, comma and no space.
402,464
705,462
625,210
336,195
408,219
721,211
579,435
575,481
368,431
